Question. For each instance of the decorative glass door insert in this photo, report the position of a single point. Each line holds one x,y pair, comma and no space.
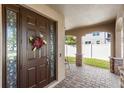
11,48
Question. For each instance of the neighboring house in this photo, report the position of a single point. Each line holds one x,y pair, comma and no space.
97,38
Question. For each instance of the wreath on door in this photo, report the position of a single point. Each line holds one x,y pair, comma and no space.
37,42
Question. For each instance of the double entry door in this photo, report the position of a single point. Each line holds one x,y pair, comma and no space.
28,66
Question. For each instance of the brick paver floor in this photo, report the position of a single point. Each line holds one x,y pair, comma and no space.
89,77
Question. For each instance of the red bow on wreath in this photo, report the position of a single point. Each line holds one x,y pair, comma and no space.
37,42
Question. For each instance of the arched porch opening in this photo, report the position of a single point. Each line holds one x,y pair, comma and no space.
96,49
78,33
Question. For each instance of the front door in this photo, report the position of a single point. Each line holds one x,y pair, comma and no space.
34,63
24,66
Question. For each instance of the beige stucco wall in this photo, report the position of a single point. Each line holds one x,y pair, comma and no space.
109,27
118,44
0,46
119,28
50,13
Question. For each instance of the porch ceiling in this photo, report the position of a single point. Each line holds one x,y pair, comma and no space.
81,15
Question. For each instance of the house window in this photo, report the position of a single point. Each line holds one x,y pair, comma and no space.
98,42
108,35
95,33
87,42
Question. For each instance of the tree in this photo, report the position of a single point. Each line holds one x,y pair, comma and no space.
70,40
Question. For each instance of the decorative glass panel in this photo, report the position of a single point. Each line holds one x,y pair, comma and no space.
11,48
52,51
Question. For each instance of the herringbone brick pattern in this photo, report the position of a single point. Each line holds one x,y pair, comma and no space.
89,77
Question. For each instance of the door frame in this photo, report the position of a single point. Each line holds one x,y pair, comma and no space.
11,6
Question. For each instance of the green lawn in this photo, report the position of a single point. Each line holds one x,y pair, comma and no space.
91,61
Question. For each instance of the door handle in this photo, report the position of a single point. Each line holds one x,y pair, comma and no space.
47,59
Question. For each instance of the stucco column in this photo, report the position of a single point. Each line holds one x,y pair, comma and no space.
78,51
0,45
118,44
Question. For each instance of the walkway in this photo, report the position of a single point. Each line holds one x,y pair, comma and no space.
89,77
